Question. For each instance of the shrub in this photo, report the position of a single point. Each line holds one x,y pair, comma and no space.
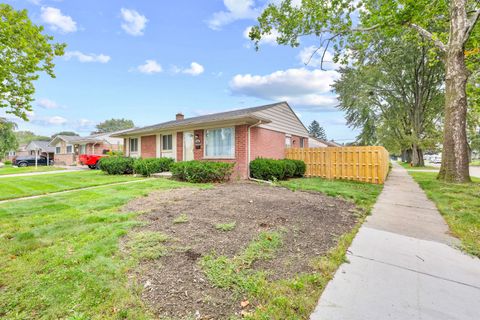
267,169
116,165
270,169
201,171
7,162
146,167
118,153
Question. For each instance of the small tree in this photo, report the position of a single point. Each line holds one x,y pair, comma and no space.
24,51
114,125
8,141
316,130
65,133
24,137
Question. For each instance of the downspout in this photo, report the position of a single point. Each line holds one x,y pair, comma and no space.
249,148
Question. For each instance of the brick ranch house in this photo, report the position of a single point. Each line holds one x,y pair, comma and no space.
237,136
68,148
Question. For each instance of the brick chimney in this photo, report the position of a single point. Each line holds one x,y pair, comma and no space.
179,116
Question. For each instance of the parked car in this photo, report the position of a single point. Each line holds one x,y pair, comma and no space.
90,160
25,161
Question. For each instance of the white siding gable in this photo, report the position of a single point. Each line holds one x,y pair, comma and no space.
283,120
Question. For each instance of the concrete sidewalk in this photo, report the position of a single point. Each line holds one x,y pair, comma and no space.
403,264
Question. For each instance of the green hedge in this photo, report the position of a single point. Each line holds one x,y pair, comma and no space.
117,165
148,166
7,162
202,171
270,169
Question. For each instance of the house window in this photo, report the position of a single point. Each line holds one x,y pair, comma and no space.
83,149
32,152
70,149
288,142
220,143
302,142
11,153
167,142
133,144
57,150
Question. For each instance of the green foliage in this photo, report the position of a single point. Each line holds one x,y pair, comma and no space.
202,171
8,140
24,137
148,166
317,131
117,153
183,218
225,226
273,170
25,51
117,165
112,125
8,162
148,245
459,204
65,133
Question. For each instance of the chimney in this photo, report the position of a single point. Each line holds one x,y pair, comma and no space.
179,116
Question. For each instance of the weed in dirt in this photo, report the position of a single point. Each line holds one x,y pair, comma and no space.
148,245
226,226
183,218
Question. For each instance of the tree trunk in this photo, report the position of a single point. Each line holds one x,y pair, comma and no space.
407,155
455,147
417,157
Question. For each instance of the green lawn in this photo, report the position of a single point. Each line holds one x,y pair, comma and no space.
459,204
13,170
16,187
475,163
60,256
408,167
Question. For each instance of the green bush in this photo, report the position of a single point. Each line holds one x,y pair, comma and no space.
7,162
117,165
202,171
146,167
270,169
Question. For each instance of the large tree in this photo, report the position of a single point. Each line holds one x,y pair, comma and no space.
112,125
24,137
65,133
347,24
316,130
24,52
8,141
395,96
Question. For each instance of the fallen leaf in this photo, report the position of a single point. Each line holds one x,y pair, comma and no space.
244,303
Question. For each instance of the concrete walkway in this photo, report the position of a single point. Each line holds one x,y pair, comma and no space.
403,264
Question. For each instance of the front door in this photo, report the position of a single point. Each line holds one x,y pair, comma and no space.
188,144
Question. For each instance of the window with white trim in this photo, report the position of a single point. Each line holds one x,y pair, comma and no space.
167,142
82,149
220,143
70,149
302,142
288,142
133,144
58,150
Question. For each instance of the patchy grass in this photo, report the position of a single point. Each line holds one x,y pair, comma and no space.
362,194
407,166
148,245
183,218
475,163
459,204
226,226
15,170
17,187
60,258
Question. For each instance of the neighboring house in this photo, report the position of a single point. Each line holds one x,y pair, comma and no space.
237,136
40,148
12,154
68,148
319,143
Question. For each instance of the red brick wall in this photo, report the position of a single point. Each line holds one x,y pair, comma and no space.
296,142
198,153
125,146
267,143
179,146
149,146
66,159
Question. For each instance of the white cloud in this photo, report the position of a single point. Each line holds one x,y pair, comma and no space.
134,23
47,104
235,10
57,21
270,38
49,121
83,57
308,90
194,70
312,57
150,67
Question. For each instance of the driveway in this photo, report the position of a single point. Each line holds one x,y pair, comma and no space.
403,264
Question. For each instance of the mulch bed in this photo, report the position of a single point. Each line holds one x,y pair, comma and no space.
176,287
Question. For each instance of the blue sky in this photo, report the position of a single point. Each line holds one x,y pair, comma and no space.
147,60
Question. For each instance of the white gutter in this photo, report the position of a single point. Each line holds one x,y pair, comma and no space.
249,146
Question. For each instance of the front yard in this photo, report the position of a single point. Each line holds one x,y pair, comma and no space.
459,204
148,249
8,169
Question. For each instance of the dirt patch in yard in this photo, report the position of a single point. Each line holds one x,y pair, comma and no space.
176,287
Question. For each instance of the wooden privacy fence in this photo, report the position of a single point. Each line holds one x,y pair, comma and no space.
368,164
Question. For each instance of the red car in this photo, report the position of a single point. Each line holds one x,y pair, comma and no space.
90,160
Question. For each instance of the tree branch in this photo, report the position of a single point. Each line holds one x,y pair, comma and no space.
471,24
440,45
